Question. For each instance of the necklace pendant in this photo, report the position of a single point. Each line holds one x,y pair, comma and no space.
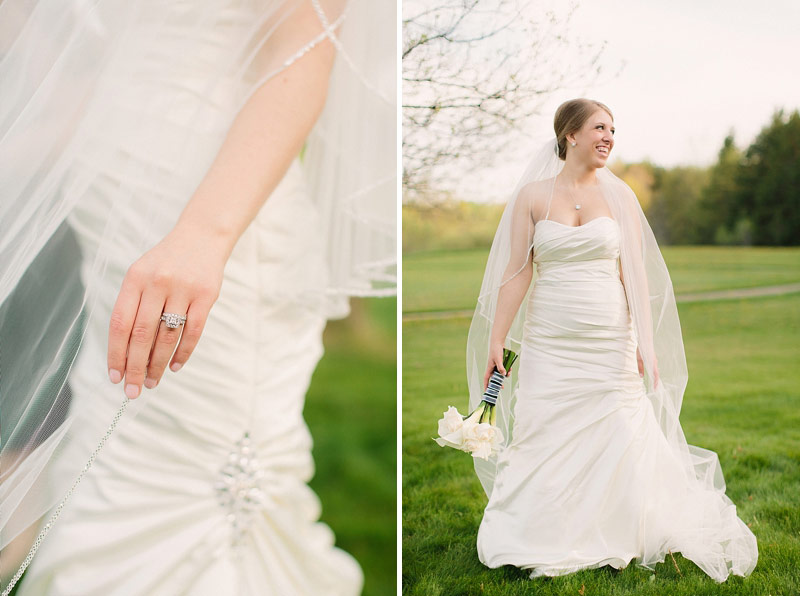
577,207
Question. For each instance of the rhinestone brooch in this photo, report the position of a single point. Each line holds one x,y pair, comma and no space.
239,489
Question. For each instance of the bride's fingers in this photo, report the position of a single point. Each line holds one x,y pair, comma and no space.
141,341
166,340
119,329
192,330
488,374
493,364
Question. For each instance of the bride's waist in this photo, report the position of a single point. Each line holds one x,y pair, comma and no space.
578,303
577,271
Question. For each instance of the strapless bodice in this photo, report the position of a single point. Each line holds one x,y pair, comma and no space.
568,253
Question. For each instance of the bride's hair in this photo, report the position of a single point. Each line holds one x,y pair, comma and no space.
571,116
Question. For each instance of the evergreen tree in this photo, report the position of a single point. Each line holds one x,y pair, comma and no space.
769,183
716,211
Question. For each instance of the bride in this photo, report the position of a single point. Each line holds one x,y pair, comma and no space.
195,187
595,469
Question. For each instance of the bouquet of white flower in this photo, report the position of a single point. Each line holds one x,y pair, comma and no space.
477,433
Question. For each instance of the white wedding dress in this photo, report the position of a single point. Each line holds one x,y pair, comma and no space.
589,478
201,490
204,490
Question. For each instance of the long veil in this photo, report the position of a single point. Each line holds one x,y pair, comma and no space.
78,115
654,317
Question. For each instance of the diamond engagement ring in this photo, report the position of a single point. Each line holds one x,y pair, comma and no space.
172,320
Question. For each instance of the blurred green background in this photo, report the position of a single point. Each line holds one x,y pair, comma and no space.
351,409
742,401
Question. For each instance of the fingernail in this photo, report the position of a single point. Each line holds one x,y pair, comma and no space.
175,366
132,391
150,383
114,375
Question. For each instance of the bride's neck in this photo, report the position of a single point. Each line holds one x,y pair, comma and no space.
575,174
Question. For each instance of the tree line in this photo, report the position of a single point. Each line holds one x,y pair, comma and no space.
748,197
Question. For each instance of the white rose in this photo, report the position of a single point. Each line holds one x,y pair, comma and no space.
451,422
451,429
482,450
482,439
468,431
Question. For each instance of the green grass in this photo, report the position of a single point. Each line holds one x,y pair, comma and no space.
742,401
451,280
442,280
707,268
351,409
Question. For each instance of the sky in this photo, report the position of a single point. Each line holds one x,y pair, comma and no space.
692,71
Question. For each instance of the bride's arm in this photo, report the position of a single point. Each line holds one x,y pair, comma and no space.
641,276
183,273
509,300
639,361
265,137
517,277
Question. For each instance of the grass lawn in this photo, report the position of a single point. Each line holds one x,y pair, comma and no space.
742,401
351,409
451,280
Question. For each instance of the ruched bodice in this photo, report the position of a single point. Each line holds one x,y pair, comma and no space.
564,253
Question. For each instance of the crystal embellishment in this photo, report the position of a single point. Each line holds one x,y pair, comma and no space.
239,488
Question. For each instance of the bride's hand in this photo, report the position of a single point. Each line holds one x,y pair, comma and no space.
182,274
640,364
495,360
655,374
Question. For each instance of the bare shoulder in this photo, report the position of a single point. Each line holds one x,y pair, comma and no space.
536,194
538,188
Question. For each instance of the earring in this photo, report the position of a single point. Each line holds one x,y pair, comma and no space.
573,144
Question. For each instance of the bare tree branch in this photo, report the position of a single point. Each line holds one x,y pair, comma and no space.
474,72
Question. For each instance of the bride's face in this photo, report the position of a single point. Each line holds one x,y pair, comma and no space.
594,141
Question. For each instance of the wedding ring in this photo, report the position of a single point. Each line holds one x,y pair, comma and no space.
172,320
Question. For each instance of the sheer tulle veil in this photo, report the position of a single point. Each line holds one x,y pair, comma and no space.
650,298
61,66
